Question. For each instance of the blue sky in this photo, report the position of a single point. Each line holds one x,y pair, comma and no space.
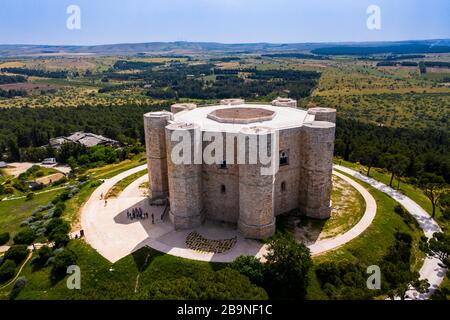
228,21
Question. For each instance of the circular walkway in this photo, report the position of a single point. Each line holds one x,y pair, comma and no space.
108,229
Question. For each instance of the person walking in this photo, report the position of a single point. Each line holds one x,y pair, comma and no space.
153,218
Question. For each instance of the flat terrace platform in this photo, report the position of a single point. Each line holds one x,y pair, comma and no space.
232,118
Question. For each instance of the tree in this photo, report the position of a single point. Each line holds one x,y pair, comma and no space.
17,253
4,238
395,163
434,188
367,155
62,260
287,267
7,270
25,236
397,273
251,267
439,246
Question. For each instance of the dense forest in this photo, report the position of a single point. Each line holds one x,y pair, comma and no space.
22,129
393,49
5,79
413,151
133,65
61,74
179,80
11,93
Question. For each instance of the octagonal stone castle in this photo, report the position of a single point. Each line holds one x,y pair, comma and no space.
240,193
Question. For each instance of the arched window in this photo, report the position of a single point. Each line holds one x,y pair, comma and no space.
223,189
283,186
284,157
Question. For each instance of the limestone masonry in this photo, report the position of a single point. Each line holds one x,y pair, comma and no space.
240,193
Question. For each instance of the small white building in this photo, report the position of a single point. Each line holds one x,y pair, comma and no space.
49,161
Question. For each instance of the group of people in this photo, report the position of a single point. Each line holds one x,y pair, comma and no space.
138,213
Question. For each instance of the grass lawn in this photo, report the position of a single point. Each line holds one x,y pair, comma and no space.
348,207
73,205
13,212
122,184
370,247
133,277
114,169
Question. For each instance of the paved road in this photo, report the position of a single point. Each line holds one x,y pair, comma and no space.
430,269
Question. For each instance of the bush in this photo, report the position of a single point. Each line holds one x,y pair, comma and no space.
288,264
62,260
37,186
30,196
59,209
7,270
4,238
60,237
18,286
57,224
60,182
17,253
9,190
25,236
220,285
250,267
43,254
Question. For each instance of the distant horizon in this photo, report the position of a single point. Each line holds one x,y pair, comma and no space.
224,43
94,22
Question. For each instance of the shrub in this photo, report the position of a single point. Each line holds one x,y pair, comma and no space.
43,254
59,209
7,270
30,196
62,260
60,182
59,237
9,190
288,264
25,236
250,267
37,186
17,253
18,286
220,285
39,174
4,238
57,223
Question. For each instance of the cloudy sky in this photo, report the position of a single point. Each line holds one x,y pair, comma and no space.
228,21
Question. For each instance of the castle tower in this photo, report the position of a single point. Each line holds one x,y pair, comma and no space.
155,142
323,114
256,189
185,175
178,107
317,144
285,102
